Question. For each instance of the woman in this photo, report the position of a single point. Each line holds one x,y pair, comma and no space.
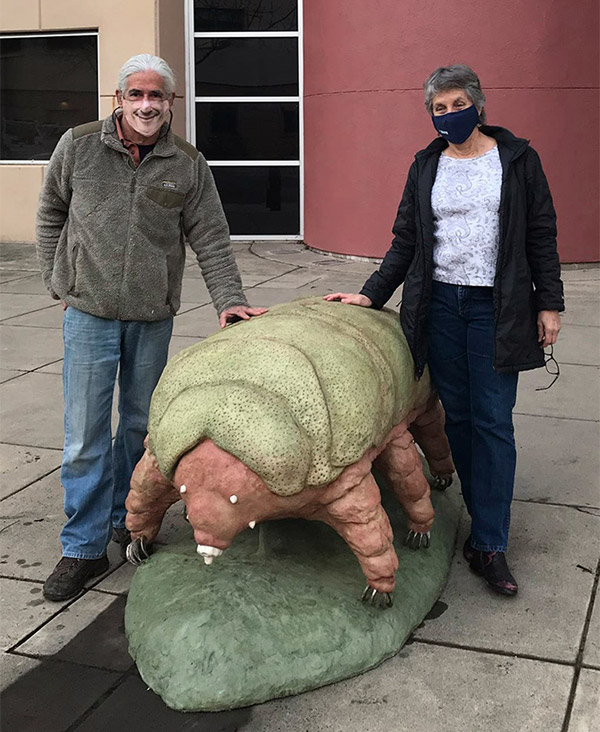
475,245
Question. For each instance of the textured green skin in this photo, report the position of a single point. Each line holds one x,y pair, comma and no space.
296,395
279,613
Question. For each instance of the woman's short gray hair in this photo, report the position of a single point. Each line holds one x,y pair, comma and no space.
146,62
458,76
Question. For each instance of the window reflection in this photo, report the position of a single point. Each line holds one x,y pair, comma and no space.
247,130
245,15
48,84
260,200
246,66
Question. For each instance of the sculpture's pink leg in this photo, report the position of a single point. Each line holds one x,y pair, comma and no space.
401,464
150,495
429,434
360,519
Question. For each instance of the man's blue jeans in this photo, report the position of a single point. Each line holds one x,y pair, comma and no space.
95,473
478,402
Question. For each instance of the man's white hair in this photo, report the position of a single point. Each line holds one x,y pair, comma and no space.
146,62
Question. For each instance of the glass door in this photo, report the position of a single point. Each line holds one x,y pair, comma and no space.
245,109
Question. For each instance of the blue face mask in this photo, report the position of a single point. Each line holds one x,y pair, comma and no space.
456,126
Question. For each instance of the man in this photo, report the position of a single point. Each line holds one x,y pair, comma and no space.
119,198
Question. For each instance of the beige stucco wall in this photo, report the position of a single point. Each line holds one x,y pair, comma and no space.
124,29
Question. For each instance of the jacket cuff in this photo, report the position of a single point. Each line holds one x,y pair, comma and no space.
375,304
233,303
47,278
546,304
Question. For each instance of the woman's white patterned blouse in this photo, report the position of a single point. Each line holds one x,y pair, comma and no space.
465,200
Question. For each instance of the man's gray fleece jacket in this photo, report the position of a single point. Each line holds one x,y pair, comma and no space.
111,238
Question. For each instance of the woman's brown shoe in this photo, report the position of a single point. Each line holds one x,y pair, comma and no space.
493,568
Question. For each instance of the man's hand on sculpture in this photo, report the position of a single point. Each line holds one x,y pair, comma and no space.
350,298
239,312
548,325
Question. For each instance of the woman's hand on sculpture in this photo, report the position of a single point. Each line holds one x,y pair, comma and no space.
239,312
548,325
350,298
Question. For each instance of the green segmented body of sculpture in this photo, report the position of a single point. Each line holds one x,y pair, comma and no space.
297,394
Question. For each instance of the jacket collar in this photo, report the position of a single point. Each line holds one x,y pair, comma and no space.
511,147
164,147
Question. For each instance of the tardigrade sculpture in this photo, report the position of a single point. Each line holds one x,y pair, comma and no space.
284,416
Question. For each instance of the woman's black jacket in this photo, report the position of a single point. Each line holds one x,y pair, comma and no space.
527,270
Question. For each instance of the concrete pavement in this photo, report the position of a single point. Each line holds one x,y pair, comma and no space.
478,662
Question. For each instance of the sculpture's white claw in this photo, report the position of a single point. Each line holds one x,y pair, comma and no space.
233,499
252,524
183,489
208,552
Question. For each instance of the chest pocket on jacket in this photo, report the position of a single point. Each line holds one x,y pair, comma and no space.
166,199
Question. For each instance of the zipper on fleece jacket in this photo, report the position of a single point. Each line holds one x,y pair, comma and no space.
129,243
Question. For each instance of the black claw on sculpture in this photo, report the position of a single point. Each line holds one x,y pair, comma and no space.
441,482
417,539
138,551
377,599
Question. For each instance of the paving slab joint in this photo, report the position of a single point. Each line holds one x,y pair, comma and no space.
494,651
18,490
579,660
90,710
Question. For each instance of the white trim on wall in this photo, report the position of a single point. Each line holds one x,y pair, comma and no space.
255,163
190,74
265,237
247,34
301,108
247,99
6,34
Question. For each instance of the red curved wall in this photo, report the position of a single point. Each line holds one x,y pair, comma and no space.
365,63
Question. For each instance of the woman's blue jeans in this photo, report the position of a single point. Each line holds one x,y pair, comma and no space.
478,403
95,473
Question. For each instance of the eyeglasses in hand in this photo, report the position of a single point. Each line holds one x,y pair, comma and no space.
552,367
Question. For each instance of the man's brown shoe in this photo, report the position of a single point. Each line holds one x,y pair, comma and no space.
69,576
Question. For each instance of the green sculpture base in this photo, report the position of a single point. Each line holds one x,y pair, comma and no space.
278,613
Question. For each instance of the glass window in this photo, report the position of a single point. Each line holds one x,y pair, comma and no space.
244,67
247,130
260,200
48,84
249,49
245,15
